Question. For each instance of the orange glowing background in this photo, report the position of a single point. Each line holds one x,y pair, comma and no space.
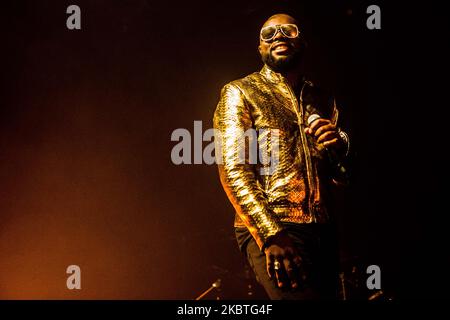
85,123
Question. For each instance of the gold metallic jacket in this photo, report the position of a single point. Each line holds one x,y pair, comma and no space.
296,190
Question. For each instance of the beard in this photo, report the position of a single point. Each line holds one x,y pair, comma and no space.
284,63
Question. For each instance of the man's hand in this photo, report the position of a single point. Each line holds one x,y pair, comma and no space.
283,261
325,133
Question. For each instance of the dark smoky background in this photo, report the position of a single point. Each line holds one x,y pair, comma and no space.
86,118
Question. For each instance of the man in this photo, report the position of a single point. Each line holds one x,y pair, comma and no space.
282,220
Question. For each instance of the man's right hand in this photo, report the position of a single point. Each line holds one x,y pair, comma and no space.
283,261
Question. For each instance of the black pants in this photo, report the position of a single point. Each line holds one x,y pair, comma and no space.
318,249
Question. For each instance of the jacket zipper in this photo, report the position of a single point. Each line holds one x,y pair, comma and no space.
298,107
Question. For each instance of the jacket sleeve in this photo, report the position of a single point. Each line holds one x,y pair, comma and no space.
319,101
231,119
340,160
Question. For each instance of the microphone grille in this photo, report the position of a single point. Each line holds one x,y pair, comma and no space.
312,118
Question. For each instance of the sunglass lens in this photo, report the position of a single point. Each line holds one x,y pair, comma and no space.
289,30
267,33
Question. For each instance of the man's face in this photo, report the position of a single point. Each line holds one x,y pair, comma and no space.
281,53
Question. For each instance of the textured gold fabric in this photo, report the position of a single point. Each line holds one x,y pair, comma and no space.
295,191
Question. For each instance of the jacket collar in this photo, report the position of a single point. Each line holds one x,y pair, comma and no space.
273,76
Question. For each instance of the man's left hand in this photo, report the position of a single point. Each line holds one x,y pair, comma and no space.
325,133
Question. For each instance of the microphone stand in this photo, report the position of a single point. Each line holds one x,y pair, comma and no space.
215,285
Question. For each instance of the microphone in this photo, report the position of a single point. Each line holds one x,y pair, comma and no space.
309,121
312,118
331,153
333,158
